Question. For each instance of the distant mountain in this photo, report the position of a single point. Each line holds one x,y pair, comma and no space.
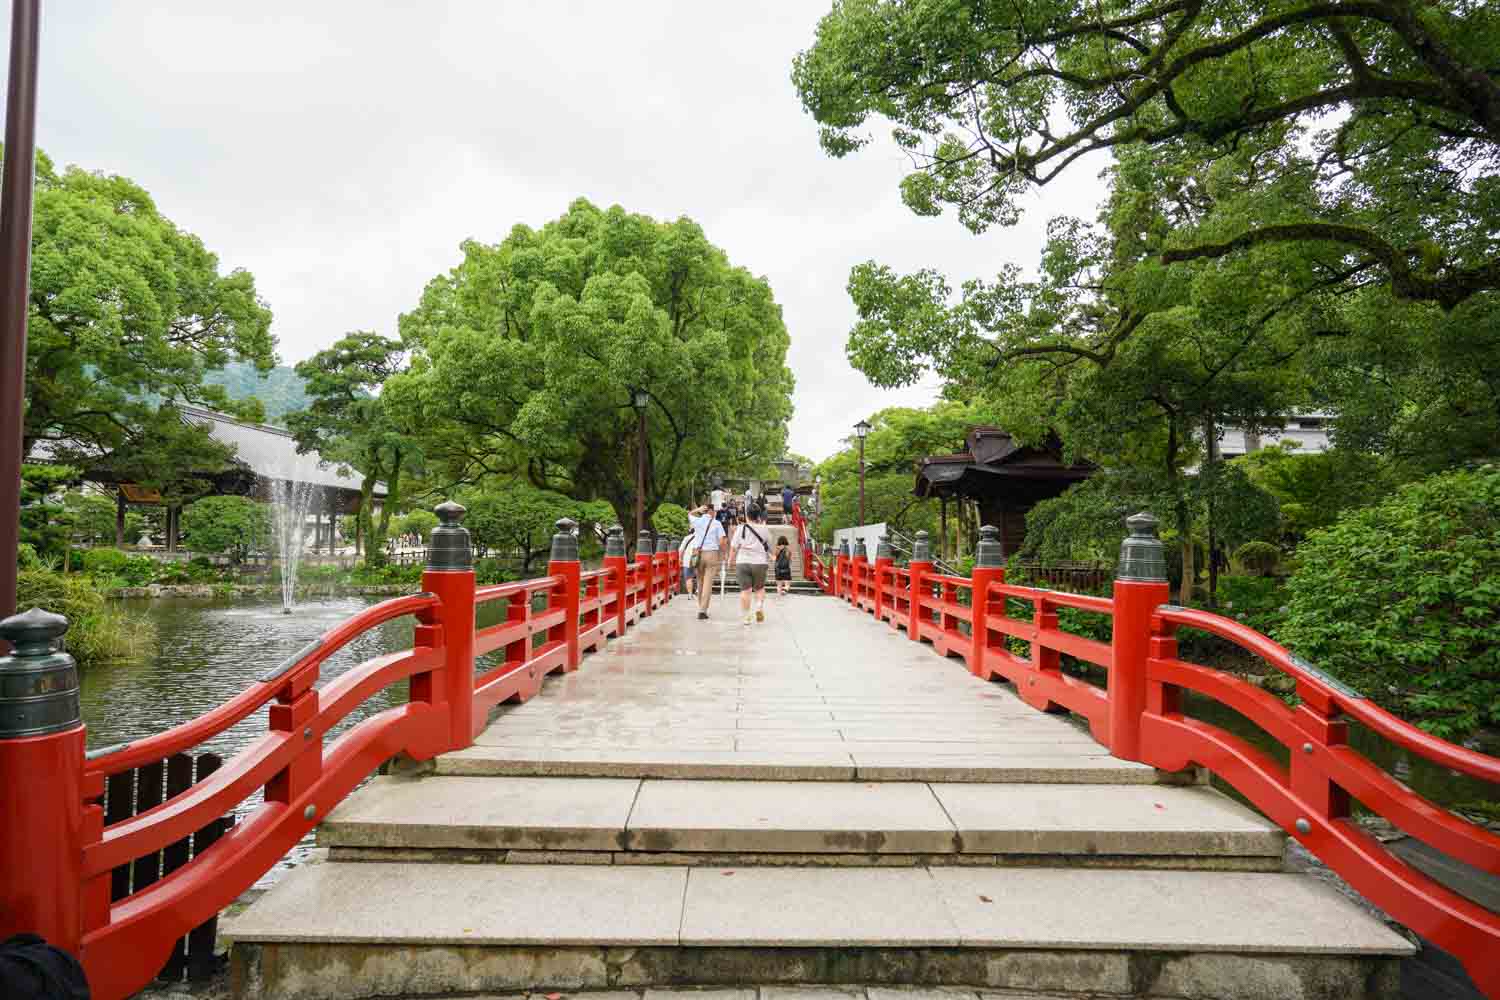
280,391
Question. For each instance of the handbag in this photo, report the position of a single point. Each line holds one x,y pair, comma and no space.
696,560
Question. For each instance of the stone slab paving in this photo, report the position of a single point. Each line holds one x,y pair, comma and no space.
638,905
1239,912
818,692
890,818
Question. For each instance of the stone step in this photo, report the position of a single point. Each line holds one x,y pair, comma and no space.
988,763
335,931
629,820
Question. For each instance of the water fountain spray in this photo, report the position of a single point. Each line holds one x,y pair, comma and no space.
290,504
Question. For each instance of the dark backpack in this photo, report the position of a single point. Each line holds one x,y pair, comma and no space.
31,969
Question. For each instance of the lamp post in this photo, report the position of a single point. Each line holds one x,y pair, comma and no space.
860,430
639,398
15,279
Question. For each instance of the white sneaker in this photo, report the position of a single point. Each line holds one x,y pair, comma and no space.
749,620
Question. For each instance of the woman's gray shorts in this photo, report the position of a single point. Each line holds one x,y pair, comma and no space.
751,575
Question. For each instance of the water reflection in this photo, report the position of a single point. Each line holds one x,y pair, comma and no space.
211,651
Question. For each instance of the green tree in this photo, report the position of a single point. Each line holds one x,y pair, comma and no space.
417,522
1313,489
126,310
1402,600
898,437
234,526
526,356
516,517
348,425
1327,168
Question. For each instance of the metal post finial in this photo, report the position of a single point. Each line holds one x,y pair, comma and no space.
38,681
448,548
921,548
565,543
989,553
644,545
1142,556
883,548
614,541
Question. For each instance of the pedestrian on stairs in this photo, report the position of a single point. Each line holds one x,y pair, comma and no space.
750,557
707,546
783,567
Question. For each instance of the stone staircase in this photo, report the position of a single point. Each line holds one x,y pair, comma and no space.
819,803
800,586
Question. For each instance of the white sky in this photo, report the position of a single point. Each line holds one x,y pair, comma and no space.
340,151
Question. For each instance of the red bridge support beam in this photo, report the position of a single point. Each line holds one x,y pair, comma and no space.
1140,588
42,744
614,561
989,567
450,576
921,565
564,563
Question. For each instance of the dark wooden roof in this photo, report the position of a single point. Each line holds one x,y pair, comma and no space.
995,466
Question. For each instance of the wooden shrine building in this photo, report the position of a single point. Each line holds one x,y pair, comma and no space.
1000,479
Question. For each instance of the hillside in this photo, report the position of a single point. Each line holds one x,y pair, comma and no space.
280,391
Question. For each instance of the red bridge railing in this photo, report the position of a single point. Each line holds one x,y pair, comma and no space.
59,853
1139,716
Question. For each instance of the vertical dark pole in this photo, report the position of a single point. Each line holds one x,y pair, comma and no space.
640,474
15,279
861,481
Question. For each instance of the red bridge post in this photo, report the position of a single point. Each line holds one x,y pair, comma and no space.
858,573
645,551
883,564
564,563
450,576
614,561
41,794
989,567
1140,588
921,565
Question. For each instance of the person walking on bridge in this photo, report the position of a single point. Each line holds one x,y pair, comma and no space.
750,556
708,545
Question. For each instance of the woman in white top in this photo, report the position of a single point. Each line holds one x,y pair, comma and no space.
749,557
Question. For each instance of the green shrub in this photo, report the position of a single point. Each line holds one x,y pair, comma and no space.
26,557
97,632
105,562
1259,558
174,572
671,519
1402,600
367,575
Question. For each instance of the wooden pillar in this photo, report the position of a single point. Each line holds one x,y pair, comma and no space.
943,528
120,519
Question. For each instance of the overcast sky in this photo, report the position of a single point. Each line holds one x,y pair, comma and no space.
340,151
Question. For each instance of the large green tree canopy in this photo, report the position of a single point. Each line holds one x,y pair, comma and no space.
526,354
127,310
1315,179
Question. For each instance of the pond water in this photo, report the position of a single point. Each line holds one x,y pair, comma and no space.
210,651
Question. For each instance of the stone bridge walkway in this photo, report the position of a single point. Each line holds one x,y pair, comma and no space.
816,692
812,800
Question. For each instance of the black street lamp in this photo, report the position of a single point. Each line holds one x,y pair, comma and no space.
861,429
639,398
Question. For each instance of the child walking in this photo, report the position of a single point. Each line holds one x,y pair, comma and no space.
783,567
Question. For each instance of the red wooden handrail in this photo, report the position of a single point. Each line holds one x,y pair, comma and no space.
124,943
1138,716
